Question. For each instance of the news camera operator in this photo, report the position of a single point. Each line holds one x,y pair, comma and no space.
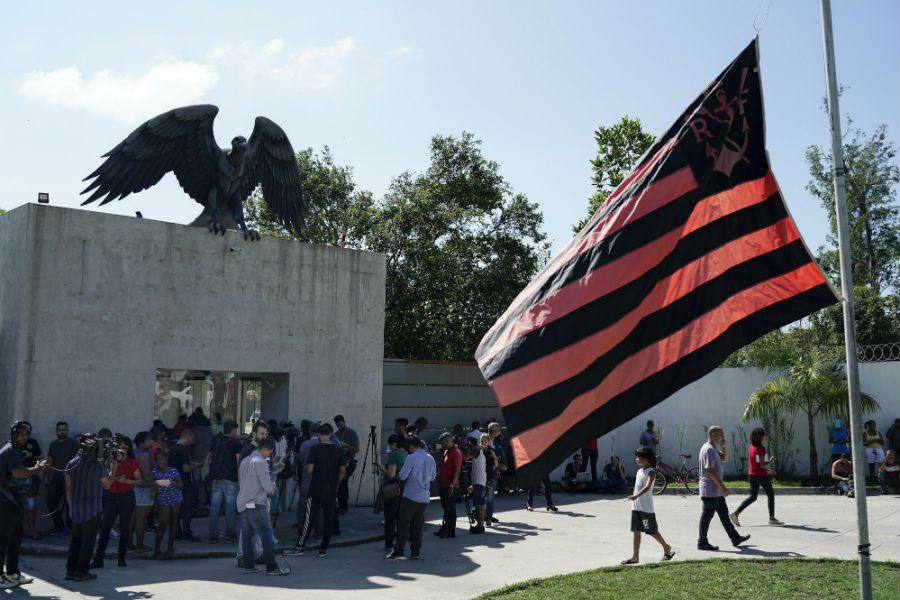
11,507
86,478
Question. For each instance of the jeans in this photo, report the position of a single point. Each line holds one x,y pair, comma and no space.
448,503
391,515
888,484
755,483
410,522
256,521
10,534
56,498
122,506
592,456
81,545
711,506
491,491
224,492
547,492
328,506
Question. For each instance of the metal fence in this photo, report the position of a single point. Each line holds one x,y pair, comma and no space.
879,352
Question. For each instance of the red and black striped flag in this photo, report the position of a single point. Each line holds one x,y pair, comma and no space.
692,257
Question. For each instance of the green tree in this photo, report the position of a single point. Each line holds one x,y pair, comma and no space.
336,212
874,215
618,149
460,246
808,381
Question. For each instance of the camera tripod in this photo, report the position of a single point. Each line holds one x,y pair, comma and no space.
371,444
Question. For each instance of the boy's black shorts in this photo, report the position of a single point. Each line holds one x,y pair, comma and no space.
643,522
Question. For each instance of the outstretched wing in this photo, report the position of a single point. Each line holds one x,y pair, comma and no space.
180,140
273,164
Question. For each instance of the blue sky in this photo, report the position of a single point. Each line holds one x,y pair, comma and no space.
375,80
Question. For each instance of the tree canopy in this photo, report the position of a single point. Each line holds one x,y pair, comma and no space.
619,147
459,243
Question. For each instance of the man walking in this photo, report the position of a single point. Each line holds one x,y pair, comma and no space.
11,509
713,490
86,479
448,484
253,504
418,472
61,451
349,440
326,467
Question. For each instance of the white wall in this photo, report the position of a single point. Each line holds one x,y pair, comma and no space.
457,393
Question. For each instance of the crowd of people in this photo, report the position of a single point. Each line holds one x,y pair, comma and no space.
103,486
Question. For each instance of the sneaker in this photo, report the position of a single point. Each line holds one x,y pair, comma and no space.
394,556
70,575
323,553
851,494
190,538
295,551
213,539
20,579
6,584
476,529
741,539
253,569
707,546
447,534
495,520
231,540
774,521
84,577
114,533
278,571
734,519
415,557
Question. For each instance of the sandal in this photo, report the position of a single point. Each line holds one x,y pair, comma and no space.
629,562
669,555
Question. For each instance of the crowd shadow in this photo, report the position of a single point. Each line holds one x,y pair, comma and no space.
754,551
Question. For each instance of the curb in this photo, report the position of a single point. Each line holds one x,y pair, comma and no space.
30,550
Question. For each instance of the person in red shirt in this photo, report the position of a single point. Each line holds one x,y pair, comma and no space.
590,453
448,484
760,475
120,503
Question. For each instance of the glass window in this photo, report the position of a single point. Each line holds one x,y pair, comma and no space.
236,396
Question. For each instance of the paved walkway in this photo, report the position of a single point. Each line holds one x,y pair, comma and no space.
588,532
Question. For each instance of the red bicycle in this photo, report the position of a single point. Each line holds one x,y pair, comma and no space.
689,478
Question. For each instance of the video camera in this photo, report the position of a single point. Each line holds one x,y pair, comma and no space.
103,449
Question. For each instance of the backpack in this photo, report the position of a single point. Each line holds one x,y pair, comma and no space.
219,465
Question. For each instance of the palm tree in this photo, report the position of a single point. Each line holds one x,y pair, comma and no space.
811,383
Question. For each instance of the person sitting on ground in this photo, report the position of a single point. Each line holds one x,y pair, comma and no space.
874,443
570,481
613,478
889,473
842,474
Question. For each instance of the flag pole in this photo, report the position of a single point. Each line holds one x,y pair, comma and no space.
856,426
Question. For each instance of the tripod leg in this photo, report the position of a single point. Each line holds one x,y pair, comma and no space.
365,462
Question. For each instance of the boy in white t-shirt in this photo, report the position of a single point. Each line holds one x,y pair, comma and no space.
643,519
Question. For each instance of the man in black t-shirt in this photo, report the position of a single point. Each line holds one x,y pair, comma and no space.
223,471
31,485
11,467
325,464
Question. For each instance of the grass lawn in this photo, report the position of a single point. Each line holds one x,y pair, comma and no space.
719,579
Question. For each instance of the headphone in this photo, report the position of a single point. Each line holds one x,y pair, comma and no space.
14,429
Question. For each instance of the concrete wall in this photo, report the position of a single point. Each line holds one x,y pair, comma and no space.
457,393
91,304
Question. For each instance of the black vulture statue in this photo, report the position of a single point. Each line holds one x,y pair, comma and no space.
181,140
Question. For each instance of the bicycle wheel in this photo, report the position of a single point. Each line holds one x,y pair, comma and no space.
659,484
692,481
